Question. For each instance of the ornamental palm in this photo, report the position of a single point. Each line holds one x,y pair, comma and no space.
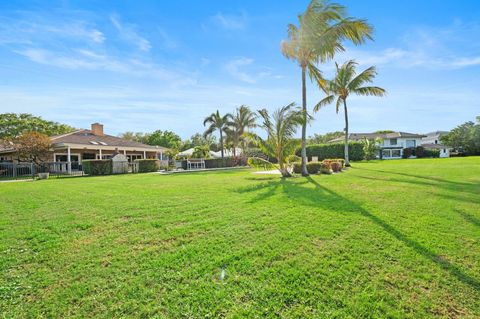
346,82
240,122
217,122
322,28
281,128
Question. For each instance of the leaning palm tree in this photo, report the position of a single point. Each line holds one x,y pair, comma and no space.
322,28
346,82
280,128
240,122
217,122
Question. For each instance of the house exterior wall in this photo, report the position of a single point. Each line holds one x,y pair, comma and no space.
390,150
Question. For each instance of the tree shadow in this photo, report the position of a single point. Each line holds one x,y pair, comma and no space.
469,218
322,196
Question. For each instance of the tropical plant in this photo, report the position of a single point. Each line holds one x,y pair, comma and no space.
166,139
465,138
201,151
345,83
322,28
240,122
217,122
370,148
280,127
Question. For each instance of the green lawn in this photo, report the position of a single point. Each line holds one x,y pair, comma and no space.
391,239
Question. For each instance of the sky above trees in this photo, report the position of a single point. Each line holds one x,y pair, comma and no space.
141,66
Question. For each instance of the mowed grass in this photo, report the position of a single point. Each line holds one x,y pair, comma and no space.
397,239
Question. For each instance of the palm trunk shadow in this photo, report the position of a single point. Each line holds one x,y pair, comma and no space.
425,252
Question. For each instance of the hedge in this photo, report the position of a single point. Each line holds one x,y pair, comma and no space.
97,167
336,150
148,165
219,162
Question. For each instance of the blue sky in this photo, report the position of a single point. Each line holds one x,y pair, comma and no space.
146,65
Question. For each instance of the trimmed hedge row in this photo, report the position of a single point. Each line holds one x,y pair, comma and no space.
97,167
148,165
336,150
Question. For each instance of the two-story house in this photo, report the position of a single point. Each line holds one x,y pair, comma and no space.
392,144
432,141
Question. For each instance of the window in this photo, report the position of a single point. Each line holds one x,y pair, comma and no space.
93,142
103,143
396,153
393,141
385,153
88,156
410,143
436,141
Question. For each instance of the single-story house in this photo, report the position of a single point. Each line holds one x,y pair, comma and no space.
432,141
392,144
90,144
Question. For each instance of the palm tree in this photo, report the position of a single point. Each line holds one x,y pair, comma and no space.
322,28
217,122
346,82
281,128
240,122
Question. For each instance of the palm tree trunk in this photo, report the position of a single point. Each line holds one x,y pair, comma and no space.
304,125
347,160
221,143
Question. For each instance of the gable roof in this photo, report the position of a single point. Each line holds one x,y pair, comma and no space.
86,137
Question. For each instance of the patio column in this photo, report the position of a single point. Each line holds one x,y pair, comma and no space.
144,154
125,152
69,160
100,152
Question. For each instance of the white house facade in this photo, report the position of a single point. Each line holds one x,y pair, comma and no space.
431,141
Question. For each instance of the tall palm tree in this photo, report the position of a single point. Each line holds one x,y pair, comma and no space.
280,127
240,122
345,83
217,122
319,35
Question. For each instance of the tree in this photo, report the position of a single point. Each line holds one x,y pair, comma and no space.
14,125
323,139
199,140
32,147
240,122
370,148
217,122
322,28
280,128
465,138
166,139
345,83
201,151
135,136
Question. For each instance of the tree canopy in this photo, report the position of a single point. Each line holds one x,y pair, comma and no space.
13,125
465,137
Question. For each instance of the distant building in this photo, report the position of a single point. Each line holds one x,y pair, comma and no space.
432,141
392,144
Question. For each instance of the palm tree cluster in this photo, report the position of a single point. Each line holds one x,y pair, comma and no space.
316,39
232,128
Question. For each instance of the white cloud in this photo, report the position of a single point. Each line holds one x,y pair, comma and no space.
230,22
129,33
234,68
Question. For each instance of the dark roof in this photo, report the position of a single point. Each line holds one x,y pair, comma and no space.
86,137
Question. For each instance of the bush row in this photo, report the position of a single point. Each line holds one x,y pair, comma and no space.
336,150
97,167
148,165
420,152
327,166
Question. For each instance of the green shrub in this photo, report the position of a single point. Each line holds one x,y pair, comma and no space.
97,167
148,165
258,162
432,153
297,168
219,162
313,167
407,152
336,150
420,151
293,158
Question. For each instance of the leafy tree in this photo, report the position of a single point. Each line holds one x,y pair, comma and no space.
218,123
199,140
135,136
32,147
240,122
280,127
345,83
325,138
201,151
166,139
319,35
465,137
13,125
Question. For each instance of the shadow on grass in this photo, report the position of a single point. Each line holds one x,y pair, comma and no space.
321,196
469,218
